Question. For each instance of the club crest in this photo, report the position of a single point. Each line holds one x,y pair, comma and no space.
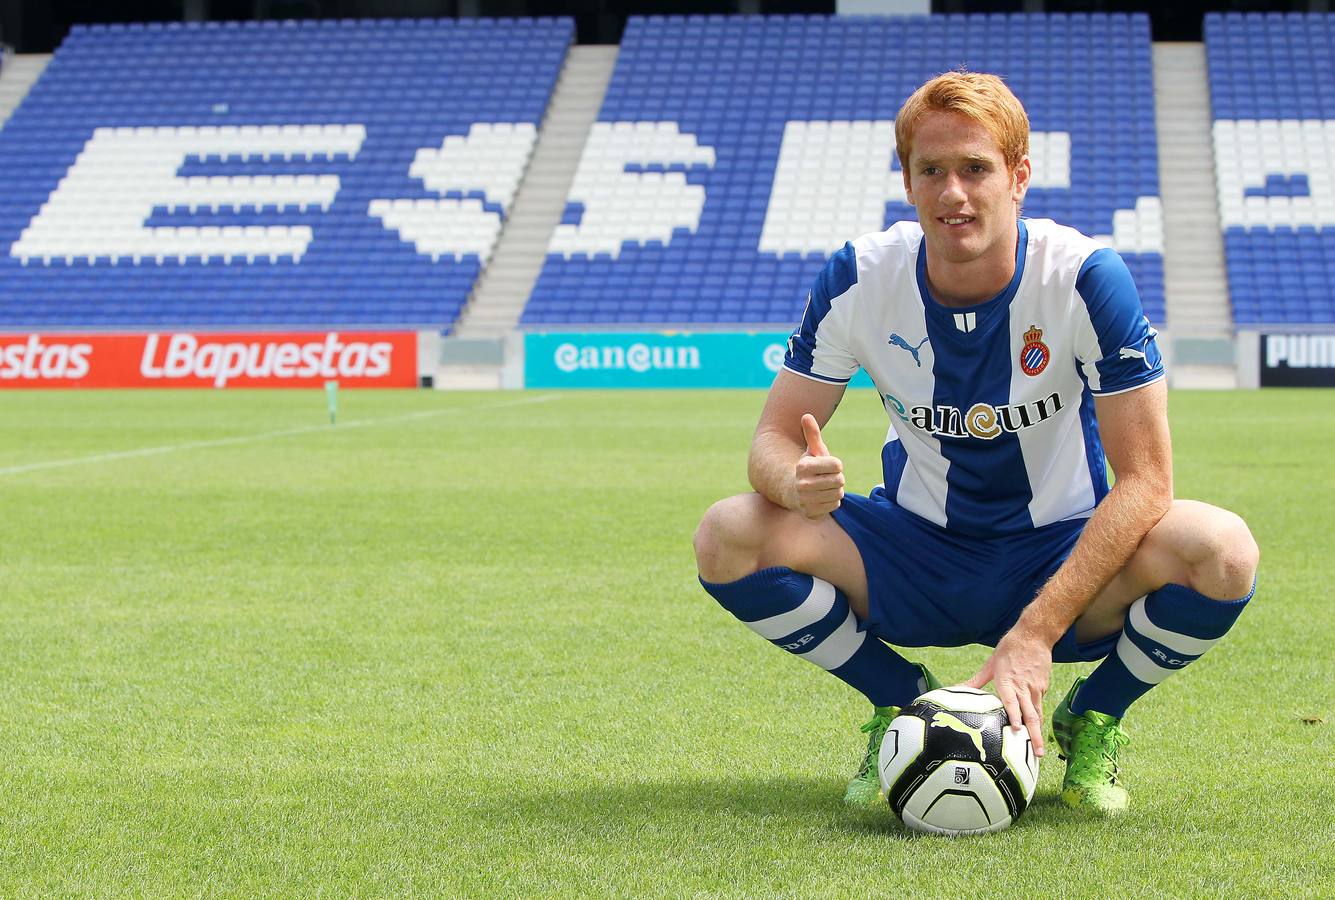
1035,355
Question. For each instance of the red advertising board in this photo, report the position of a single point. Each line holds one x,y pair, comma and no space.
189,359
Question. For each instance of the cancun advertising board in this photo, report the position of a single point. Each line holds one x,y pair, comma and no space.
657,359
194,360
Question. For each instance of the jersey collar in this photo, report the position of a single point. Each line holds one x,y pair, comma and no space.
1002,299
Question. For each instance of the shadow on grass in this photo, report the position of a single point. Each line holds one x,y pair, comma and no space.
780,803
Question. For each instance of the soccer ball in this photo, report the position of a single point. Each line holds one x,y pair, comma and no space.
950,765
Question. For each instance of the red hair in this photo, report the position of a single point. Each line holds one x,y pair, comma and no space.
982,97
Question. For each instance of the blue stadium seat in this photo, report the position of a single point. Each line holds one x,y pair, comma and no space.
409,83
1271,110
733,85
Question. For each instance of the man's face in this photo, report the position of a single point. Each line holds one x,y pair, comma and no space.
967,198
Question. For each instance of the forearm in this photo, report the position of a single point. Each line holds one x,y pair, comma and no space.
1111,536
771,467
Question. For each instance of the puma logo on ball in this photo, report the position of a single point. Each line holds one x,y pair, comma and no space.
946,720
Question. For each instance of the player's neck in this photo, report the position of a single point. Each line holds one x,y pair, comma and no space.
975,281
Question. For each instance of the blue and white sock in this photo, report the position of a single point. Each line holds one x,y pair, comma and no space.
1164,631
811,619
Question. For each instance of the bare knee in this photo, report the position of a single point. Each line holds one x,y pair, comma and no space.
711,537
730,537
1231,560
1212,549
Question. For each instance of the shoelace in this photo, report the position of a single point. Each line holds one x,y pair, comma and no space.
877,721
1101,755
875,728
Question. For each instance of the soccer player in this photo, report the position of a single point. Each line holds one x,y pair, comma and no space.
1012,357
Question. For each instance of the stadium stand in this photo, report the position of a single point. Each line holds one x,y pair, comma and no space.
732,154
1272,85
272,174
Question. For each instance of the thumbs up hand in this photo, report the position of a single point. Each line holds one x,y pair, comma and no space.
819,476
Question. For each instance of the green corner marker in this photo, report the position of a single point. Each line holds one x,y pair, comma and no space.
331,397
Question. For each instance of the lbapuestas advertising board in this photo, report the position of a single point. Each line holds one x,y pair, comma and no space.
188,359
659,359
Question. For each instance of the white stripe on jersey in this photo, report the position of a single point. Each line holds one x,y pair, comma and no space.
1054,455
1086,340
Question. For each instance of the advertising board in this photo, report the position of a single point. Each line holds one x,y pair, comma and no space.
666,359
1297,360
194,360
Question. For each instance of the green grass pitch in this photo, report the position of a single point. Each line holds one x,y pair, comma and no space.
454,646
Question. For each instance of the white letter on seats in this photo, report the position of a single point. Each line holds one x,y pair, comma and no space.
833,180
1247,151
490,160
632,206
123,174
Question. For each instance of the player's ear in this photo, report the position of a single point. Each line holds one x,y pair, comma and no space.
908,187
1020,179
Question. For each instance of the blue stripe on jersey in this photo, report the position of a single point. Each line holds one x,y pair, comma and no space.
893,461
987,484
840,274
1130,356
1089,424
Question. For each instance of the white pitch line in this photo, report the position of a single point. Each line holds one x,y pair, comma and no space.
268,435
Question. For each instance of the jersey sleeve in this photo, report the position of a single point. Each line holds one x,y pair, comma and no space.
1118,351
819,346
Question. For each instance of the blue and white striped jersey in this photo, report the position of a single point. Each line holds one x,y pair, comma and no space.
992,427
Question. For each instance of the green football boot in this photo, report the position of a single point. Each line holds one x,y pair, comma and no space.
1089,743
865,787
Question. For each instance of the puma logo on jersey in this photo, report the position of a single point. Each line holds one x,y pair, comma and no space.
1132,353
946,720
897,341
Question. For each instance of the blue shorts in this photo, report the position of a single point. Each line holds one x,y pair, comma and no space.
929,587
